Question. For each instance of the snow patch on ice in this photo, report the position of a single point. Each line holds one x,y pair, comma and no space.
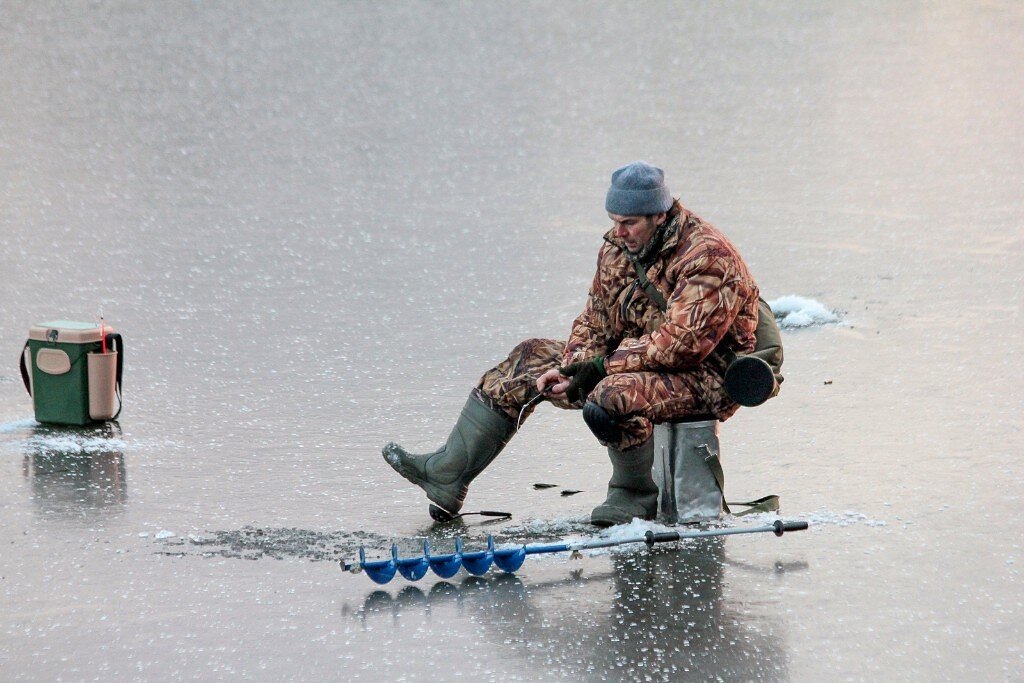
627,532
73,443
579,530
46,439
548,527
164,533
636,528
794,312
17,426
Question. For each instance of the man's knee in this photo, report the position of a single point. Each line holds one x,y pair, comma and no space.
546,350
621,394
605,427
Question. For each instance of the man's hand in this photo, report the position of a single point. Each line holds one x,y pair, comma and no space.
585,376
553,382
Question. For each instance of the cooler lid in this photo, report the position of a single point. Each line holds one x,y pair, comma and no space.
68,332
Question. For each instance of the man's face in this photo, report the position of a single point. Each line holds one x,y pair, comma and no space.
635,231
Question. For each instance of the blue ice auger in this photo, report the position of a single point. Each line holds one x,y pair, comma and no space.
511,559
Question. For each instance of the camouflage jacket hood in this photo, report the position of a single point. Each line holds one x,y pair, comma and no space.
711,298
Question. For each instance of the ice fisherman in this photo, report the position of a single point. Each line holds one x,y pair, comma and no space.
671,304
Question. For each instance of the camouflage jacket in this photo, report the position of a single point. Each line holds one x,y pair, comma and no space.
711,299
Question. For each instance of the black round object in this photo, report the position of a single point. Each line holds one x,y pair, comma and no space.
749,381
440,515
603,425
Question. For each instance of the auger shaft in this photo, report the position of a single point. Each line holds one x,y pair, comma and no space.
510,559
651,537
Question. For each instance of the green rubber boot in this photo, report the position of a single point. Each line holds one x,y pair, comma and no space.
631,490
475,441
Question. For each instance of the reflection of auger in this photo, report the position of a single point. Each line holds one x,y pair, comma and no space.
511,559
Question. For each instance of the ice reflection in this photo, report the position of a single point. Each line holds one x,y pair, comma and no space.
661,615
75,472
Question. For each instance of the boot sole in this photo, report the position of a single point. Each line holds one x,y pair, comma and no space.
605,516
440,497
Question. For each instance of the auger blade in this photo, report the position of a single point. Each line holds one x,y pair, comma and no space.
510,559
380,571
477,563
445,566
413,568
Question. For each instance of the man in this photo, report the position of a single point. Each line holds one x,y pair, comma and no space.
670,303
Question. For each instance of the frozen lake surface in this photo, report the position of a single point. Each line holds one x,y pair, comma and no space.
316,225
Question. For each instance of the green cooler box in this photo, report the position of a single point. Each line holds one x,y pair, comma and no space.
71,380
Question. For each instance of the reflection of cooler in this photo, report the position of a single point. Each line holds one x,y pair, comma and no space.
70,378
72,477
688,471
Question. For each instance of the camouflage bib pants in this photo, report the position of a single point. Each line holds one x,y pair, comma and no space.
637,400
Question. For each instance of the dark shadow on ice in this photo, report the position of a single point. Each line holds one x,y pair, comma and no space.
664,614
76,471
253,543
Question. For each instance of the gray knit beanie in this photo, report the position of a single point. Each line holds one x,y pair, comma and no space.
638,189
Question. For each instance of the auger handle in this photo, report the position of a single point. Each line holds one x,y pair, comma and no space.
782,527
650,538
778,527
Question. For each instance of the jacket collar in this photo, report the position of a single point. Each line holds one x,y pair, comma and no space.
678,224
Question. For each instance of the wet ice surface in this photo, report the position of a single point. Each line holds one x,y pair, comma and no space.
317,225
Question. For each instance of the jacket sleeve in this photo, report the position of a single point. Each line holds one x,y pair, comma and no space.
708,295
591,332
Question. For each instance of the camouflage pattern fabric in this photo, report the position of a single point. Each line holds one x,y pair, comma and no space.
711,295
660,366
511,385
638,399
